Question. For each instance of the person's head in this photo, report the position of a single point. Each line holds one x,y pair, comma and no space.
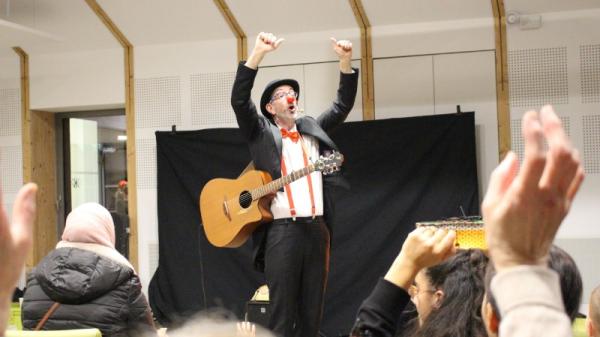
448,296
123,185
571,287
90,223
593,318
279,101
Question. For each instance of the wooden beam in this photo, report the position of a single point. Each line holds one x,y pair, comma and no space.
103,16
366,59
43,163
39,166
130,117
236,29
502,94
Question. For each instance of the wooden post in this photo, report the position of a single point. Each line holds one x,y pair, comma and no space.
39,166
130,117
242,45
502,93
366,59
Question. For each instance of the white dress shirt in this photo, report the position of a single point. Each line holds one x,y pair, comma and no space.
292,154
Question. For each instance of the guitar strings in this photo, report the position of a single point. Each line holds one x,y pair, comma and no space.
246,197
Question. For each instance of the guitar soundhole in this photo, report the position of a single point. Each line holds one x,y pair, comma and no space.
245,199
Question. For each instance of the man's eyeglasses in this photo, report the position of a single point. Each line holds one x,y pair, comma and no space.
413,291
281,94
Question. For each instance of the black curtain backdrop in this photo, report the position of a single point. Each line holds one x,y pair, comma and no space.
400,170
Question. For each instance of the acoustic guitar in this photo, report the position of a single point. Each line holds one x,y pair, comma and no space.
232,209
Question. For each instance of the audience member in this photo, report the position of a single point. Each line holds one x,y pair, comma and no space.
522,211
571,287
453,301
87,281
571,284
379,313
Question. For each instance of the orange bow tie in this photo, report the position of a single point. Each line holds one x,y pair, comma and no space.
293,135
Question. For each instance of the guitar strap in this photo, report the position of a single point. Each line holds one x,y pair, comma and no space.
249,167
288,188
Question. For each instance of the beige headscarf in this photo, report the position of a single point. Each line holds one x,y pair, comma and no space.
90,226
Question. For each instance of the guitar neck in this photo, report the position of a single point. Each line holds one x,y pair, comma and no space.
275,185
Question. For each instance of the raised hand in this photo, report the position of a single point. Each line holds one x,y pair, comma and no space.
343,48
523,209
424,247
265,43
246,329
16,238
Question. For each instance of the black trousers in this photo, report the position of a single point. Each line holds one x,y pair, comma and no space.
296,268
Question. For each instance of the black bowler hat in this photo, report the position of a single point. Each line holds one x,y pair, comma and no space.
268,92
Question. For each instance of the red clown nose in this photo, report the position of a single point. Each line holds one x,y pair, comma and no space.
291,99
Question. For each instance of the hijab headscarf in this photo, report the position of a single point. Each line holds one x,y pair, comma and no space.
90,226
90,223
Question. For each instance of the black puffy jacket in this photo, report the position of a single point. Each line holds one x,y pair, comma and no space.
93,292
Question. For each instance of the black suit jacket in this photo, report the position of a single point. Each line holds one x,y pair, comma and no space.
264,137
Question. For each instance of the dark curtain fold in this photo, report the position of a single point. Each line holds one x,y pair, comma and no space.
400,170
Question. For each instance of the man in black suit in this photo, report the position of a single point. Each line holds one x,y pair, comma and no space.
293,250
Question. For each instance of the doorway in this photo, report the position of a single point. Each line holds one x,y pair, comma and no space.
92,166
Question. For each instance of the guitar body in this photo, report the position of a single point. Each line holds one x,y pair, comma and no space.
228,219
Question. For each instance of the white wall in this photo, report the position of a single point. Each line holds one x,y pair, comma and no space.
77,80
433,37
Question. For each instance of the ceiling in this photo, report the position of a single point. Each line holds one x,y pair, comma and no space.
57,26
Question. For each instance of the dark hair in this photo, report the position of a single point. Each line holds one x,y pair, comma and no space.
490,272
461,280
571,285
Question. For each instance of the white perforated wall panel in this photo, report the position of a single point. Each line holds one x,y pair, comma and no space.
146,163
157,102
565,49
153,254
211,98
10,112
518,145
591,143
590,73
538,76
516,141
11,168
